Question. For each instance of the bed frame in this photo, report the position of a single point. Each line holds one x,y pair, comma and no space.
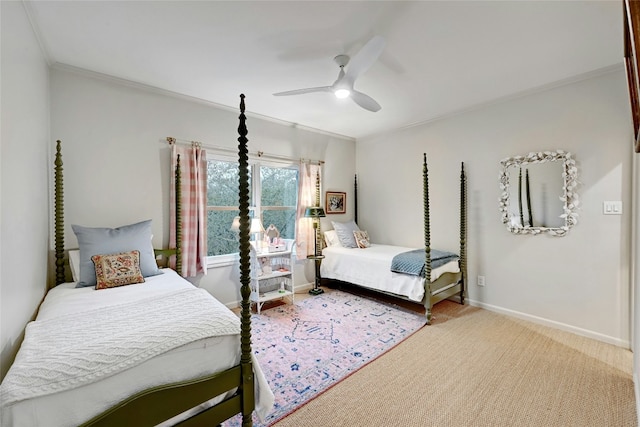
448,285
161,403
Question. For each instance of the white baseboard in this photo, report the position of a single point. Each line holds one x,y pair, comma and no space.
553,324
302,288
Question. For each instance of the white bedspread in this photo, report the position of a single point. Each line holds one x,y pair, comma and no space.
89,349
371,268
58,355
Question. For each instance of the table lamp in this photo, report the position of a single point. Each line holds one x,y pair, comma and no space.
257,228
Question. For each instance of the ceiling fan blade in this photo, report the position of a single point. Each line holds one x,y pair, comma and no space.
365,58
302,91
365,101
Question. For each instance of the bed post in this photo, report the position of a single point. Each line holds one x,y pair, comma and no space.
427,241
245,272
59,215
355,198
178,195
463,233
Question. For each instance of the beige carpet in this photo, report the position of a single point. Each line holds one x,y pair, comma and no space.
473,367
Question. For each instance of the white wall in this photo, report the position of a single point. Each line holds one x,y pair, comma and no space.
579,282
24,178
116,159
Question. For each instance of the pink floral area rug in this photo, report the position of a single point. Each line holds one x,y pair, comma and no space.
306,347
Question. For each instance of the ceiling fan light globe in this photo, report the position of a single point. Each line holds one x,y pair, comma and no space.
342,93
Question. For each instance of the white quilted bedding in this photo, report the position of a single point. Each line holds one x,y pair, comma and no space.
371,268
88,349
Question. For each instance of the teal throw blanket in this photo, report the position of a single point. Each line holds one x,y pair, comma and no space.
413,262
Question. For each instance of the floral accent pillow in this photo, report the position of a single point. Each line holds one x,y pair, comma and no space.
362,238
118,269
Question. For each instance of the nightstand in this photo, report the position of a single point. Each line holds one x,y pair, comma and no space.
271,276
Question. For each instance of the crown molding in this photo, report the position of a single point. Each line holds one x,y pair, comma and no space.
538,89
153,89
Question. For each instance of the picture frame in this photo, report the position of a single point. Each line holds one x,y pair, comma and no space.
335,202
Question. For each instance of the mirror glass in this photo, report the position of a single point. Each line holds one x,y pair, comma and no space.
538,193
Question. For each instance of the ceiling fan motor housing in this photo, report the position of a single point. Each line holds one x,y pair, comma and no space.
341,60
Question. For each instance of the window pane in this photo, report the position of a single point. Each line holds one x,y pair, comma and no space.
279,186
284,220
279,199
222,183
221,240
222,202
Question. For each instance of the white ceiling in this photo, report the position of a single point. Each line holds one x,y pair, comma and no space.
440,57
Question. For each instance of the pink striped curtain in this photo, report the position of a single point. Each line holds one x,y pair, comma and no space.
193,165
306,197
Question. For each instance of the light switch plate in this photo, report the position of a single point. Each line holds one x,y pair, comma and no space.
612,208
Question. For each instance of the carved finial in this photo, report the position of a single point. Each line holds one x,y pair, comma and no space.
242,127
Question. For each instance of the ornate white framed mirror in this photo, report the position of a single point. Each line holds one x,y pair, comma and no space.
538,193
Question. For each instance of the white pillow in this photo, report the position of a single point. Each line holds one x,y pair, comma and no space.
74,264
331,238
345,233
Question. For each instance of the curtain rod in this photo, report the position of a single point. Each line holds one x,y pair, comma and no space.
259,154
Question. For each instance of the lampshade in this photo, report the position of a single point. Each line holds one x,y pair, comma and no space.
314,212
256,226
235,225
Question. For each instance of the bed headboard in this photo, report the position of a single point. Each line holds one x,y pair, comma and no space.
60,258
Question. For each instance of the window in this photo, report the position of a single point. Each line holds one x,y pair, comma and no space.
274,197
278,199
222,206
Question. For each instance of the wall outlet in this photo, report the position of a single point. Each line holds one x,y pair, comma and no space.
480,280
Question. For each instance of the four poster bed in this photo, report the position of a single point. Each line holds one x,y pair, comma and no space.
162,352
424,276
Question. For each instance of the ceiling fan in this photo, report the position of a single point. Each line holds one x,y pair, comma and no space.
343,86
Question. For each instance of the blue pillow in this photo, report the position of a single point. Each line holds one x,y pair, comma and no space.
105,241
345,230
